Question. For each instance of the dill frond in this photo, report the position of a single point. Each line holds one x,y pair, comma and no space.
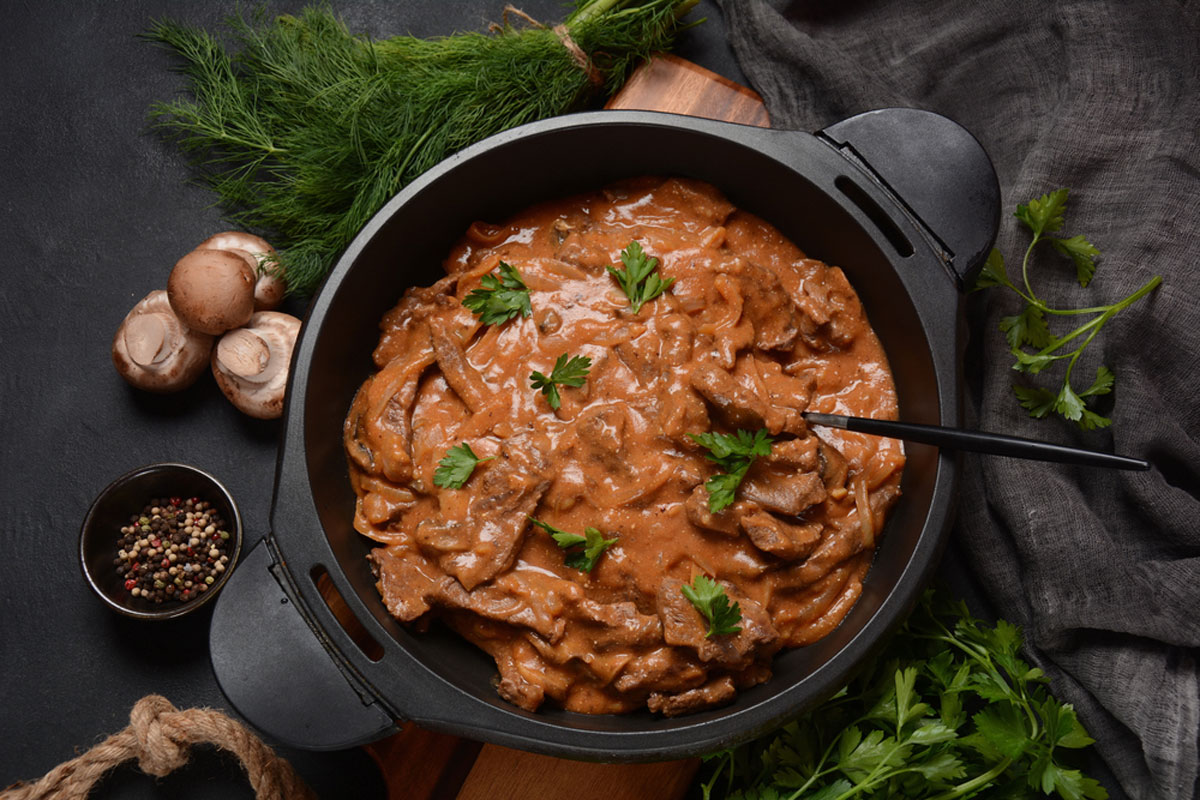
306,129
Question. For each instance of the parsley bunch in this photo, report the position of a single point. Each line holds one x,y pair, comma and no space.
947,710
733,453
1044,216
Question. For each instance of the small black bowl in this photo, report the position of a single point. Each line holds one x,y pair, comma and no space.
128,495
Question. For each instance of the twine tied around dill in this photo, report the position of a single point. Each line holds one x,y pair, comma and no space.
159,737
582,60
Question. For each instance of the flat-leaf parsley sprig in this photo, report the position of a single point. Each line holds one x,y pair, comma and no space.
710,600
566,372
947,710
454,470
500,298
733,453
640,279
1029,328
582,551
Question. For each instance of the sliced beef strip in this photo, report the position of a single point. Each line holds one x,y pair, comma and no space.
698,513
405,325
464,379
677,332
378,429
617,625
484,542
799,454
695,199
831,314
683,626
515,660
715,693
410,586
780,489
737,407
600,438
785,540
681,411
835,471
767,307
741,404
724,521
667,669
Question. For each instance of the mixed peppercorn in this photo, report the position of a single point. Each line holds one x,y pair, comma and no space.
173,551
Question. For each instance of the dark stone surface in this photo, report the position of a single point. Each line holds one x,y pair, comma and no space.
96,210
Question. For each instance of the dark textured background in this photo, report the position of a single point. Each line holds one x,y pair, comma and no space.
96,211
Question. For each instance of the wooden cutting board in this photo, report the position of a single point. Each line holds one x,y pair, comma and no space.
423,765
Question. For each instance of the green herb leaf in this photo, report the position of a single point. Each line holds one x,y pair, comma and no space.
733,453
500,298
1083,253
1037,401
639,279
993,273
456,467
304,128
1003,725
888,732
1031,326
582,551
1069,404
1045,214
565,373
1102,385
1090,420
710,600
1033,363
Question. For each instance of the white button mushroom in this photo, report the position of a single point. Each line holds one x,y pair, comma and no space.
270,286
212,290
154,350
251,363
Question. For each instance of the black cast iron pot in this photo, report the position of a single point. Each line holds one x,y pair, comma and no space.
905,201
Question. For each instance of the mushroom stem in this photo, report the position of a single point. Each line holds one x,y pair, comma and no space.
154,350
251,363
244,353
145,337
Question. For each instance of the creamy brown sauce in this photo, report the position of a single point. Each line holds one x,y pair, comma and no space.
751,334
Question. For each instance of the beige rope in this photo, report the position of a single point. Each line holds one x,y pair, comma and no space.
564,35
159,736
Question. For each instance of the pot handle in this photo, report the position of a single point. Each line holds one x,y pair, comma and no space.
277,670
936,171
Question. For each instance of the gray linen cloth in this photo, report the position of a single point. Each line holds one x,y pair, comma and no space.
1101,568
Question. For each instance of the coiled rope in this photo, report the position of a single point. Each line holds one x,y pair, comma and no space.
159,736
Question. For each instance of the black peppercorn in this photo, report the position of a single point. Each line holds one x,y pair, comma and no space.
169,539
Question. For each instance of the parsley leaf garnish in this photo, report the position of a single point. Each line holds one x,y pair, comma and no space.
639,279
500,298
571,372
733,453
456,467
1030,328
947,709
710,600
582,551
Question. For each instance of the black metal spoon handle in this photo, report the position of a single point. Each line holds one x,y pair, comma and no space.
977,441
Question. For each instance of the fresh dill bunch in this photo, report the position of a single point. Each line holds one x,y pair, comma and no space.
306,129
